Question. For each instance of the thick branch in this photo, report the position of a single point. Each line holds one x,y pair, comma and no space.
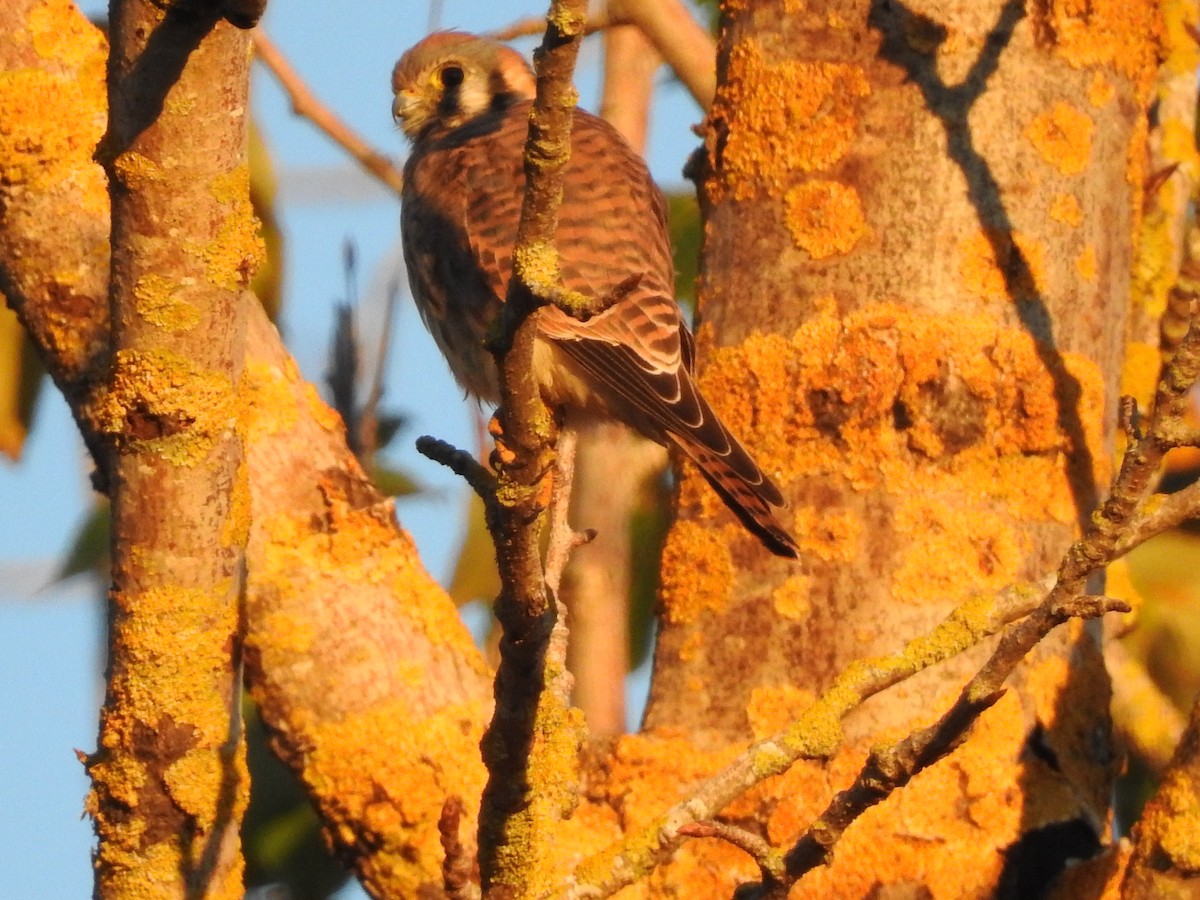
370,685
170,732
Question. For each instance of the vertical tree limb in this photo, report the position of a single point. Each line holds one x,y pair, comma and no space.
170,783
531,746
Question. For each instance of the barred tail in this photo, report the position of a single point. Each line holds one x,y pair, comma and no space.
745,488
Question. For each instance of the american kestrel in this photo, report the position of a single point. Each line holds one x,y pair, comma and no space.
464,102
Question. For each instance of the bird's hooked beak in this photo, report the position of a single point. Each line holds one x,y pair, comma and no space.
403,106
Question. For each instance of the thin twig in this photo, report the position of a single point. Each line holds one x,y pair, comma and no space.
893,767
457,866
306,105
770,860
684,44
534,25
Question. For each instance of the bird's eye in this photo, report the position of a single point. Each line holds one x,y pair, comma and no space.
452,76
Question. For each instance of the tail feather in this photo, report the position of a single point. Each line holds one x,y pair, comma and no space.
746,490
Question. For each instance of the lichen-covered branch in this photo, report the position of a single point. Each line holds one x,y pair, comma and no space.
532,744
373,691
816,734
169,778
1166,854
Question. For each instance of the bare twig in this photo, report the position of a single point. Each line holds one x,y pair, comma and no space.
534,25
770,860
305,104
681,41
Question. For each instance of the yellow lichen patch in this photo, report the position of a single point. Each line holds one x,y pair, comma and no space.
791,599
783,118
698,572
177,652
1063,137
1100,90
166,401
1125,34
824,217
1085,263
158,301
196,782
389,770
135,171
772,709
998,266
290,634
238,249
1065,208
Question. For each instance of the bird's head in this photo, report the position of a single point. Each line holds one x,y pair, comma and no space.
450,78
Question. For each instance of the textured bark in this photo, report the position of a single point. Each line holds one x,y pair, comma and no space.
1166,852
370,685
936,201
900,397
169,777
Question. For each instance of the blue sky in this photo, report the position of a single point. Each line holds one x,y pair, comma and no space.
50,689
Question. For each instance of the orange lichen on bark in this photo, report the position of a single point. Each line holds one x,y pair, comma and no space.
951,545
1065,208
824,218
772,709
988,265
390,771
1139,371
49,124
792,598
1085,263
1100,90
182,632
1124,34
698,572
947,812
1168,834
782,118
351,546
951,415
1062,135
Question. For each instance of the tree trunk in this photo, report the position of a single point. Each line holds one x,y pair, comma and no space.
915,286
